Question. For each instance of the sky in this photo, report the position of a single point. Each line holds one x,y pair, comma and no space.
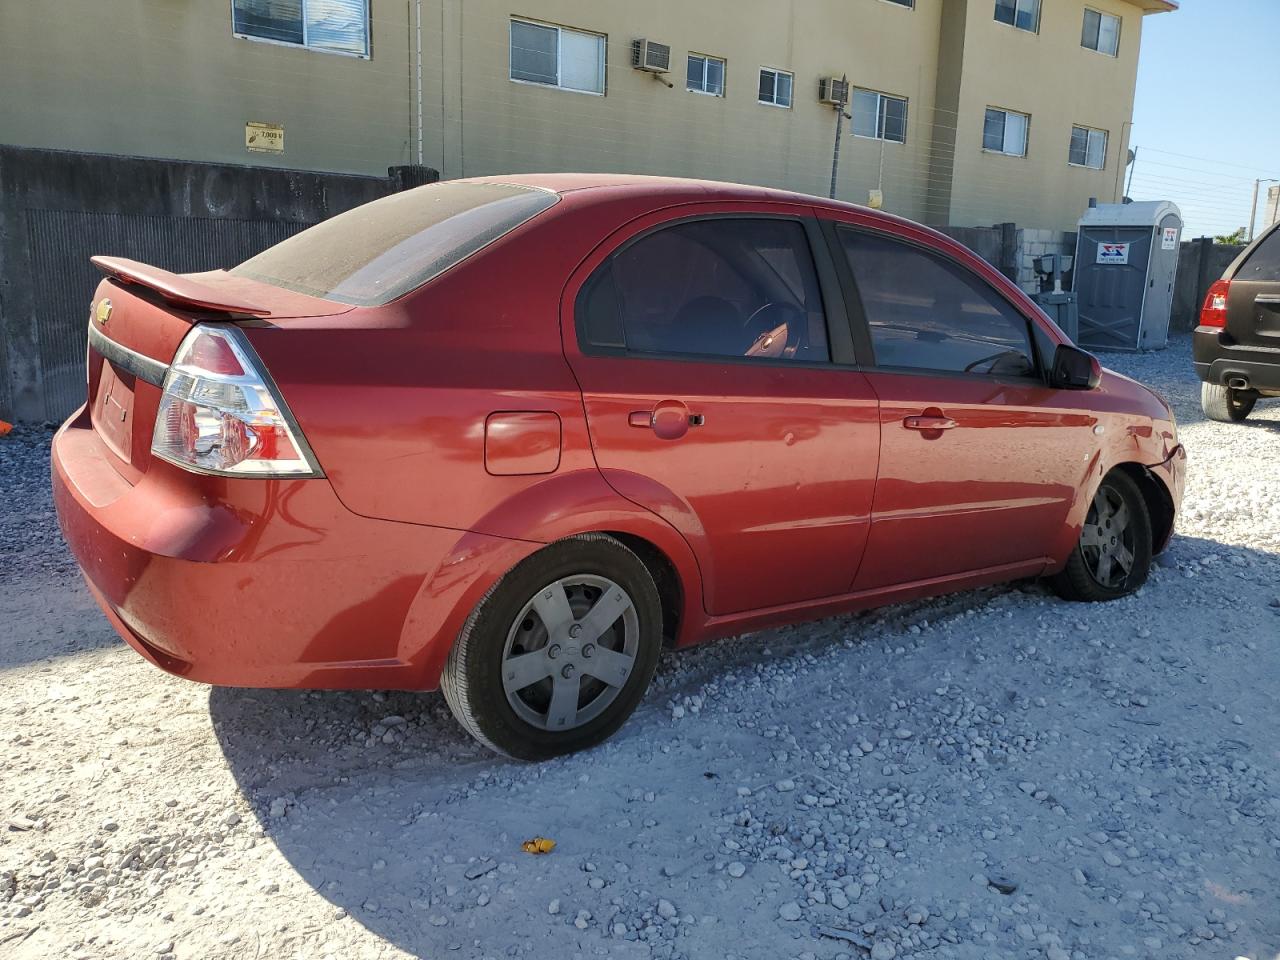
1206,119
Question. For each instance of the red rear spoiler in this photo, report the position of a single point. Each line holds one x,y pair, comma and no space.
175,288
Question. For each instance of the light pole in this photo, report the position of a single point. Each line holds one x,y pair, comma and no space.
840,116
1253,209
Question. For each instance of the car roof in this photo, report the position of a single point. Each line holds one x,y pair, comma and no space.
563,183
671,190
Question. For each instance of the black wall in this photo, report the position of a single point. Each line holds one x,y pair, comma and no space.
59,208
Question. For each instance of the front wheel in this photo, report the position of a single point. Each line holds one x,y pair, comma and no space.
1113,556
559,652
1225,404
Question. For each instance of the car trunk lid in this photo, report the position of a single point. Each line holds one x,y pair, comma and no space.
139,316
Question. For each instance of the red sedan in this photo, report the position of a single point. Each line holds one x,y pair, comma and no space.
509,437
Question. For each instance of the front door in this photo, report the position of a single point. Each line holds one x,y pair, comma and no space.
979,459
701,346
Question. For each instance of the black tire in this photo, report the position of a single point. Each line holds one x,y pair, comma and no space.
473,682
1225,404
1087,575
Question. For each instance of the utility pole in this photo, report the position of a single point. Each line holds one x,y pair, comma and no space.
835,153
1253,208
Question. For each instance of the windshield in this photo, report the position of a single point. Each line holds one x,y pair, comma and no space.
382,250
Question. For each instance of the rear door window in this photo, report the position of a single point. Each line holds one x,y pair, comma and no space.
1264,263
382,250
926,312
732,287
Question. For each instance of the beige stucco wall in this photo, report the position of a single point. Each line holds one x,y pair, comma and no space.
642,126
166,78
1058,82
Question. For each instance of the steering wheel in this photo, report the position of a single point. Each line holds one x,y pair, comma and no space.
993,358
764,345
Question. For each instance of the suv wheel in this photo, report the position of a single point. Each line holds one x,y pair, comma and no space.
1113,557
559,652
1225,404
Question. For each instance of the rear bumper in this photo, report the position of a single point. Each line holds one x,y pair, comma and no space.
264,583
1217,362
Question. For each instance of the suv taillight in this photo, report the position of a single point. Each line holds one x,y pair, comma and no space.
221,414
1214,311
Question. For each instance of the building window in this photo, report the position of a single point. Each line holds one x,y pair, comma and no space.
903,3
775,87
1023,14
557,57
879,116
1101,32
1088,148
334,26
706,75
1005,132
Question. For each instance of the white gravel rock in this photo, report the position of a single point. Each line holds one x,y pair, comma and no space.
869,773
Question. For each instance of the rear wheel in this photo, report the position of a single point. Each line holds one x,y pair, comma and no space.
559,652
1225,404
1113,557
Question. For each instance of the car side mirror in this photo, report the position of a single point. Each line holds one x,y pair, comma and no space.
1074,369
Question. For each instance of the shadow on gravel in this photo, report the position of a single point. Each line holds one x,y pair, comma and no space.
44,618
380,802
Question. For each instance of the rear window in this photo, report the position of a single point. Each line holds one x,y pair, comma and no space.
1264,262
382,250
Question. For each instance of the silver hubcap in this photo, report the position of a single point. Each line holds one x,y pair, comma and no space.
1107,539
570,652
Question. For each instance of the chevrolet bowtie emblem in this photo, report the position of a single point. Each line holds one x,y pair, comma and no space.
103,311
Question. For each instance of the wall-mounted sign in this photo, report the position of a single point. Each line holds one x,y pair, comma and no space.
1170,239
264,137
1117,253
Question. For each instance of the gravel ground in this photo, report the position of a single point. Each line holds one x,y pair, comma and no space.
993,774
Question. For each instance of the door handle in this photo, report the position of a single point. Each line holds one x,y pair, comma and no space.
1267,300
645,418
928,423
670,419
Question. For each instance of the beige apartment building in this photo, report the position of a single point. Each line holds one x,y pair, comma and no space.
962,112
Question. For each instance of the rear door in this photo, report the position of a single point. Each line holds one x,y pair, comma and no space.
1253,304
979,459
715,398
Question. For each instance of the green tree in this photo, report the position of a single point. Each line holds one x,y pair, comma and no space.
1235,238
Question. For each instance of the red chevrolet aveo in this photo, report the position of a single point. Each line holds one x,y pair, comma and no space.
510,437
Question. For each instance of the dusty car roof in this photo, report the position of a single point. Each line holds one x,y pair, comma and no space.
621,182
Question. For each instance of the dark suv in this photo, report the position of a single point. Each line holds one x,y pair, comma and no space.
1237,345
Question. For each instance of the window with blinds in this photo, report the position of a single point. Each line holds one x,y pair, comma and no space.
334,26
557,56
1088,148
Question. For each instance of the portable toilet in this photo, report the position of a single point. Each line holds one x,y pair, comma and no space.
1125,266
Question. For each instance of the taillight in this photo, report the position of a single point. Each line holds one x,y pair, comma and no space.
221,414
1214,311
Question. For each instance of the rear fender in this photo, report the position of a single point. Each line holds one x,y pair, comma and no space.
517,529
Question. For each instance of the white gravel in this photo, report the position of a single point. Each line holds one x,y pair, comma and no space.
995,774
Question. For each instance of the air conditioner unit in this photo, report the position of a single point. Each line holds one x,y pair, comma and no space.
833,90
651,56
